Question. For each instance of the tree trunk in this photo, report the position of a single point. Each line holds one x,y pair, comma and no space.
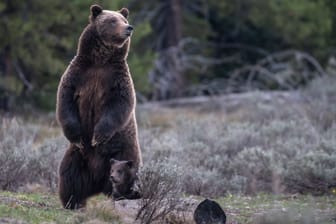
167,77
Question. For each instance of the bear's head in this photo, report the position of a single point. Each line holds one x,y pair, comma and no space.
123,176
112,26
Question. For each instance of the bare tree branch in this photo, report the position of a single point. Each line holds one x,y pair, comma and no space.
281,70
21,75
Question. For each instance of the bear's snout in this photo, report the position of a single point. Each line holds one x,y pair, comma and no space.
113,179
129,30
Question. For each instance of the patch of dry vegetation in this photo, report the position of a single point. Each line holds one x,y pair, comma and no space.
24,159
268,144
281,148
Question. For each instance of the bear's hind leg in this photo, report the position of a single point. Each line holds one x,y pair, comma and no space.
74,180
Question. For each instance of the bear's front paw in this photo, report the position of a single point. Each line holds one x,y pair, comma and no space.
79,144
100,139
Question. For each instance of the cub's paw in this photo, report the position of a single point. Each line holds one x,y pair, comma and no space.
130,196
134,195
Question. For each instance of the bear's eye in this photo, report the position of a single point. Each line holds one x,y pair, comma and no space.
113,21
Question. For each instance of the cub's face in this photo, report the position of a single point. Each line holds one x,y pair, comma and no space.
123,176
112,26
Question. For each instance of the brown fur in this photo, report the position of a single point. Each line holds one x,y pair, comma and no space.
95,108
123,175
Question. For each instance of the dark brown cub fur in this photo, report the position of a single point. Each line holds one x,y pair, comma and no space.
123,175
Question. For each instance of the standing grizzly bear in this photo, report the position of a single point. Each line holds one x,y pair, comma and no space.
96,108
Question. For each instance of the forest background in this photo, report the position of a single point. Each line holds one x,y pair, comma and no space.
179,48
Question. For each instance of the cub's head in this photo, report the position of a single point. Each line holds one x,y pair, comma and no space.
123,175
112,26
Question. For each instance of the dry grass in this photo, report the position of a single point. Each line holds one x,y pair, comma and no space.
160,186
265,144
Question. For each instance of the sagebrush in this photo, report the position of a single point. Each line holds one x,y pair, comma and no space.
264,147
24,159
272,148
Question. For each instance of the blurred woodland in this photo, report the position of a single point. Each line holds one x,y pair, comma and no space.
261,154
179,48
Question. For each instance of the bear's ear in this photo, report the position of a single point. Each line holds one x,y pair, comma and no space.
113,161
124,12
95,10
130,164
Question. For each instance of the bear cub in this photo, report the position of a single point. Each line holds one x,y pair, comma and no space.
123,175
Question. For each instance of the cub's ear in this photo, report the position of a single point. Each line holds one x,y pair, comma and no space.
124,12
113,161
130,164
95,10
